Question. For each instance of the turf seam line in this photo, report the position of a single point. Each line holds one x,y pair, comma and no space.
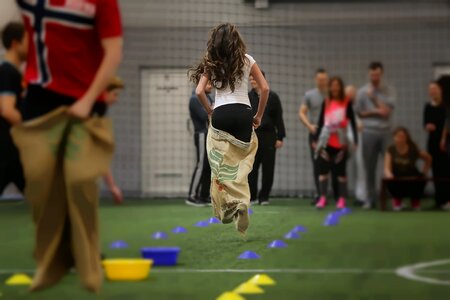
287,271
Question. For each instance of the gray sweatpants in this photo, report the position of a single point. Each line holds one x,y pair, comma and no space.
374,145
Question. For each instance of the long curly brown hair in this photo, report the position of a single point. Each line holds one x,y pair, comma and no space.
224,59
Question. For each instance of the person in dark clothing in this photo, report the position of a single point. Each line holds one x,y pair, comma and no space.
270,137
400,162
15,41
332,147
201,177
434,122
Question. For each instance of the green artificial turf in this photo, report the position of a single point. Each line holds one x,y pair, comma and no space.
354,260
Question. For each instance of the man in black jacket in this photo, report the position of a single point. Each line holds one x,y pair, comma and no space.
15,41
270,134
201,178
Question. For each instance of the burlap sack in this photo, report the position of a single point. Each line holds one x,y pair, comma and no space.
62,160
231,161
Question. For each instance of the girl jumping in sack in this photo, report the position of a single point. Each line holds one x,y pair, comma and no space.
231,141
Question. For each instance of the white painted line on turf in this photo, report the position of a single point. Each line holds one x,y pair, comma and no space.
286,271
409,272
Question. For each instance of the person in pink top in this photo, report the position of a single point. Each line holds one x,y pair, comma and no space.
332,146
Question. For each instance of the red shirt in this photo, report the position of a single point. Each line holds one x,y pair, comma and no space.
65,37
336,118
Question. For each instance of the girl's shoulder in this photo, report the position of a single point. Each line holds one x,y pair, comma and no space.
250,59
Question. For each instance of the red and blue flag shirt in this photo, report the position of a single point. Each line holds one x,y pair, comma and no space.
65,49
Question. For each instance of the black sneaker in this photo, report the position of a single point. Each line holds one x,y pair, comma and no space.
195,202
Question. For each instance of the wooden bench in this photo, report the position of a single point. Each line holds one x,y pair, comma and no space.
385,181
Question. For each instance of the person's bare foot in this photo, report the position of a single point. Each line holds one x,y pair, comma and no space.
242,219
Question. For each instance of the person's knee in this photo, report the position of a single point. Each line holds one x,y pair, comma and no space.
323,177
342,178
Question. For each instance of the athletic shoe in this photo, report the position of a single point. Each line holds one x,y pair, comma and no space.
446,206
367,205
315,200
242,220
254,202
397,204
264,202
358,202
206,201
415,204
195,202
341,203
321,203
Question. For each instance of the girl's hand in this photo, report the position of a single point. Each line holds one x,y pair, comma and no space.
256,122
312,129
430,127
388,175
117,194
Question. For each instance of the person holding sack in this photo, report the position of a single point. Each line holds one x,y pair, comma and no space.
65,143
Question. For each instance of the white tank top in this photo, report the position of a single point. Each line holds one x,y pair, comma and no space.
240,94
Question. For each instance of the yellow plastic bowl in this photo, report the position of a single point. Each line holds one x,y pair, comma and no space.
127,269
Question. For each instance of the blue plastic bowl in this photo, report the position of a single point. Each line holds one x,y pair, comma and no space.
161,256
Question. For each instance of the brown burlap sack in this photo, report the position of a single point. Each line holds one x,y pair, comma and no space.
62,160
231,161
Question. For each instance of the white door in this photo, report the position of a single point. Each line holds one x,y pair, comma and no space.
168,152
441,70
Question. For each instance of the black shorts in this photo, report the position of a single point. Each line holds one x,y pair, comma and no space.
235,119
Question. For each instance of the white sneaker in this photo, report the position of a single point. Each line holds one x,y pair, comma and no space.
367,206
254,202
265,203
446,206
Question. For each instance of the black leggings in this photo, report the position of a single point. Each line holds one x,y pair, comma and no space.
235,119
333,159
